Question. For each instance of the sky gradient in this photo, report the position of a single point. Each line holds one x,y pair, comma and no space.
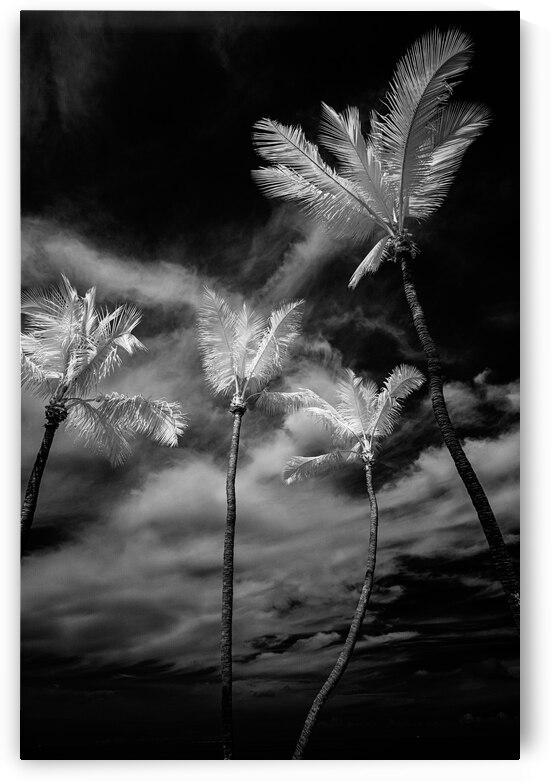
136,160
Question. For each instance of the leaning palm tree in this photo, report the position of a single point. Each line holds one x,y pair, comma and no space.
68,348
399,174
242,351
362,418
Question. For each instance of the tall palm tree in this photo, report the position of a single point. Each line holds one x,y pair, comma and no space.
399,174
242,351
69,347
362,418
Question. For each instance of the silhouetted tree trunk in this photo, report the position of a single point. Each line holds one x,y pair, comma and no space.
354,631
500,556
237,410
55,414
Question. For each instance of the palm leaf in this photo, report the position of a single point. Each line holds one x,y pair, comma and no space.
249,327
98,356
371,262
281,403
97,431
35,379
351,404
216,333
421,84
338,212
303,467
287,146
340,429
453,131
275,344
109,425
341,134
402,381
159,420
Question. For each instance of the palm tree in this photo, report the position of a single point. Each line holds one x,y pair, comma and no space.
400,173
69,347
242,351
362,418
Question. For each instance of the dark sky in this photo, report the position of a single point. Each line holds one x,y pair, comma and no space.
136,160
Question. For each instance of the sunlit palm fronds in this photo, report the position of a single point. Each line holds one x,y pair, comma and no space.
421,84
341,134
303,467
100,354
362,417
274,345
216,335
300,174
401,382
403,169
68,348
242,351
353,393
371,262
282,403
36,380
453,131
111,422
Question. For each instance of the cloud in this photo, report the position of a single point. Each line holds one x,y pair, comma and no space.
49,250
301,261
144,581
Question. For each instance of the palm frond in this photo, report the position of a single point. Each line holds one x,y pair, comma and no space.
341,134
371,262
303,467
369,392
112,422
216,333
98,355
159,420
338,212
53,317
46,307
97,431
402,381
35,379
282,403
287,146
453,131
351,404
420,86
340,429
249,327
275,344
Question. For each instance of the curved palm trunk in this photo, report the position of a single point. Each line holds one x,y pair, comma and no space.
33,486
227,588
354,631
499,553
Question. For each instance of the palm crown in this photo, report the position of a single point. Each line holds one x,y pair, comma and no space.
69,347
242,351
362,417
402,170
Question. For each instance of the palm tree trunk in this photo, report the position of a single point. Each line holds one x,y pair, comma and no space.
227,588
354,631
502,560
33,486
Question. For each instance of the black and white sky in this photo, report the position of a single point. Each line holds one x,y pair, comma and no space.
135,177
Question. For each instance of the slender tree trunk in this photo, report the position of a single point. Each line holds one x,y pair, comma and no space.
354,631
227,587
502,560
33,486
